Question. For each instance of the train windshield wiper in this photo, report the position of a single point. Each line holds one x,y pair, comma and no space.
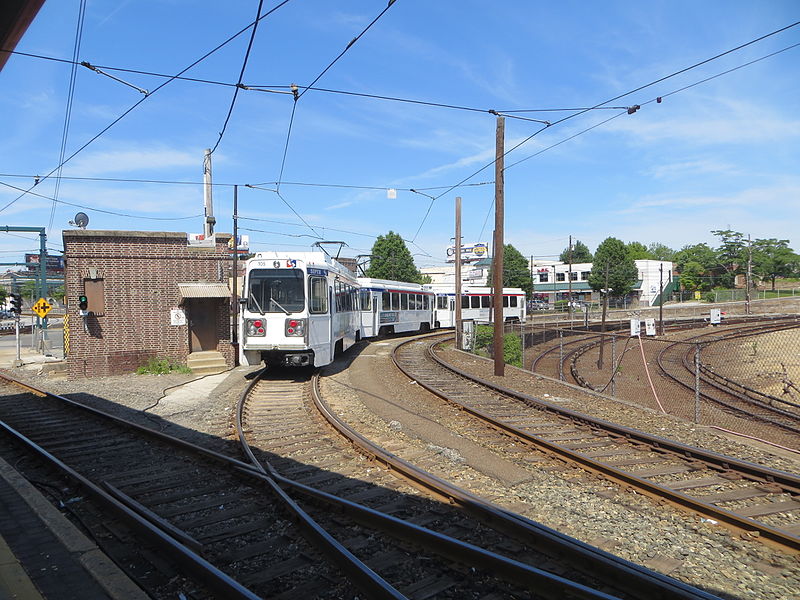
258,305
275,302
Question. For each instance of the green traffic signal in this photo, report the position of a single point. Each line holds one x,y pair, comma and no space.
83,303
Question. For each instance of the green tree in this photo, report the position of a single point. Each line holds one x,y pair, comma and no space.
580,253
772,258
611,259
659,251
516,270
731,256
703,255
692,276
637,251
391,259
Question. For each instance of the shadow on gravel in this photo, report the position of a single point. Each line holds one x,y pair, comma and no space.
435,515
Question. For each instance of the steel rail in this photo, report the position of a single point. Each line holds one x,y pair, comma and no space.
363,577
619,572
787,481
452,548
208,574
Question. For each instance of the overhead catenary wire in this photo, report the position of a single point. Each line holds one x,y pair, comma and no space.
296,94
290,89
630,110
76,48
135,105
241,74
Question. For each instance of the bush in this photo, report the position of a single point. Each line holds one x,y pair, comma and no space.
512,344
161,366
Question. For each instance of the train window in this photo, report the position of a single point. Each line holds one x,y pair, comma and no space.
395,301
465,301
276,290
404,302
486,301
317,295
441,302
505,301
387,302
426,302
366,299
512,301
476,301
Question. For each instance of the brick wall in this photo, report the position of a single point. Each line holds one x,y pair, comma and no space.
139,274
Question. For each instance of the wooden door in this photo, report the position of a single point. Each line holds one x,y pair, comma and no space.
202,324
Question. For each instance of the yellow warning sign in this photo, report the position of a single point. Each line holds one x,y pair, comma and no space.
42,307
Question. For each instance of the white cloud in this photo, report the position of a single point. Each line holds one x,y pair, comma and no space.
692,167
133,158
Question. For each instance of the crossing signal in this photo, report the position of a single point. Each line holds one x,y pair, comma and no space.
16,304
83,303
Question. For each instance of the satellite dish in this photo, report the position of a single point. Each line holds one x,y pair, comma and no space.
81,220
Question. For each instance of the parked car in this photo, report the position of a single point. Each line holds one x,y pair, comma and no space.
538,305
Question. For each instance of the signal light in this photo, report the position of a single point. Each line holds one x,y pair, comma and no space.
16,304
83,303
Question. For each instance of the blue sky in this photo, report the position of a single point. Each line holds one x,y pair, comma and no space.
720,154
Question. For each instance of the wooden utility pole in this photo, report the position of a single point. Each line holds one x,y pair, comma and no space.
661,298
459,325
499,363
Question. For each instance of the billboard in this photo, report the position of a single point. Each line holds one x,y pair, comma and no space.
469,252
53,263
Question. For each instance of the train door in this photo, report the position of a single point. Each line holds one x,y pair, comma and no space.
319,320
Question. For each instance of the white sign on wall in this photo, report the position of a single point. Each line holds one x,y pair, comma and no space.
716,316
177,316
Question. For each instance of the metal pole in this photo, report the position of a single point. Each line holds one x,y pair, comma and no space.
613,364
560,355
499,363
459,324
208,226
235,285
569,283
697,384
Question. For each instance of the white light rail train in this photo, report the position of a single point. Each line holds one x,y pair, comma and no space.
304,308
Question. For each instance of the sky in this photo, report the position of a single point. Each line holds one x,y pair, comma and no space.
714,144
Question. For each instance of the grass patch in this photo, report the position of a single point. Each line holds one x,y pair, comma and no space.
161,366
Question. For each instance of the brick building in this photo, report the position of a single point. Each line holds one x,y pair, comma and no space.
150,295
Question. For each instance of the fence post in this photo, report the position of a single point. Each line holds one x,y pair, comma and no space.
697,384
613,364
560,355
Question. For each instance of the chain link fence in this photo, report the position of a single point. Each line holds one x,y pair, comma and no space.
743,379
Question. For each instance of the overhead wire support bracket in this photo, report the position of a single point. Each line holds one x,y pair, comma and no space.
91,67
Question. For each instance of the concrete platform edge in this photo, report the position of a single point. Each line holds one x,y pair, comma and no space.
110,577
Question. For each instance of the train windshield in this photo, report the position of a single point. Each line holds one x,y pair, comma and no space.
276,290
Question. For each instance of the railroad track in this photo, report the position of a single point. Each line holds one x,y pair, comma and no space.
284,419
744,496
724,391
230,529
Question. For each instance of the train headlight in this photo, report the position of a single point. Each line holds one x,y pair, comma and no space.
255,327
295,327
